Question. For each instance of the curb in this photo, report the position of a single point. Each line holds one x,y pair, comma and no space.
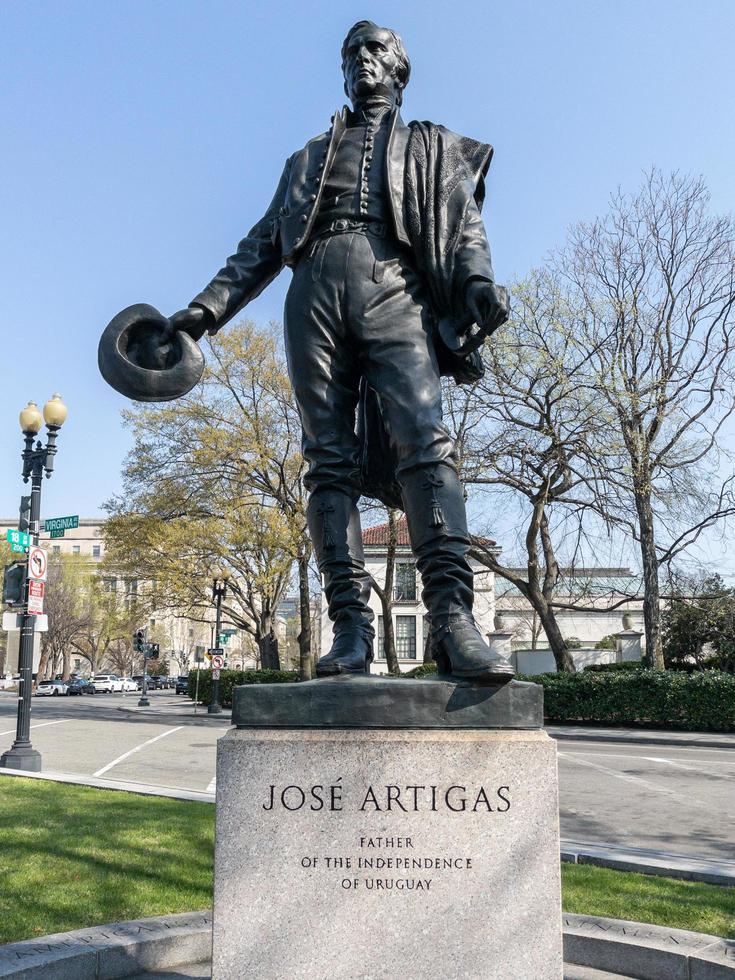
99,782
649,862
189,715
646,952
121,949
633,738
126,949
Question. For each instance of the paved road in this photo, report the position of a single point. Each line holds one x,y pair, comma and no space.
674,798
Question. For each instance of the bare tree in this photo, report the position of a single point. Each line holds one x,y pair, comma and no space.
526,431
650,289
386,592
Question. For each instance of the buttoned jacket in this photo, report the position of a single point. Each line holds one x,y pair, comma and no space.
281,235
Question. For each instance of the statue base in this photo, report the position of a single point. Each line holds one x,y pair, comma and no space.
404,850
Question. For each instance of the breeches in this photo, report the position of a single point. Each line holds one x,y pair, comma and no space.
357,308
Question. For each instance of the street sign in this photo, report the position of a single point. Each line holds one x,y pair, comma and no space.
215,675
35,605
218,661
61,524
19,540
36,592
37,564
57,534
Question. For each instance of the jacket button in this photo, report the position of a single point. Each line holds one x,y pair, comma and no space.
297,241
312,197
283,210
317,180
304,219
321,166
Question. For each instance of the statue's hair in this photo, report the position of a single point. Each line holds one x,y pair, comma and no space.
403,67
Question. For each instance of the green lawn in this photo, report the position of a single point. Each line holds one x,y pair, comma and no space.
643,898
72,857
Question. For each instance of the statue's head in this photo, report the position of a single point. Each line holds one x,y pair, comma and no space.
374,62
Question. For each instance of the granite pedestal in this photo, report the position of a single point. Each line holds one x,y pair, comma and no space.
388,846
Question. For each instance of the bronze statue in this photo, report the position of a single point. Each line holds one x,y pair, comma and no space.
392,287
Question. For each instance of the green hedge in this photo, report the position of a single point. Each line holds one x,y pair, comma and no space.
662,699
231,678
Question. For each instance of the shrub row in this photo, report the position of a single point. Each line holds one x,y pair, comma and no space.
660,698
664,699
627,694
231,678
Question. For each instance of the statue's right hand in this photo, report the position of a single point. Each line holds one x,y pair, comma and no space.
194,320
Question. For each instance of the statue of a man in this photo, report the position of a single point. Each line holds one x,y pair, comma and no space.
380,224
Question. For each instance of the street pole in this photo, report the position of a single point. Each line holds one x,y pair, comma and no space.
219,591
22,755
143,701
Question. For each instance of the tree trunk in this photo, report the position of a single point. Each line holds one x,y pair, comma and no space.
386,597
268,647
304,637
66,668
651,593
562,656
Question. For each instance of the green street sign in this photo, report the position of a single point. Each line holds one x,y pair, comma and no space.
19,541
61,524
57,534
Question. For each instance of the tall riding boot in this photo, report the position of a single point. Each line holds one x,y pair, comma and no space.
437,525
334,526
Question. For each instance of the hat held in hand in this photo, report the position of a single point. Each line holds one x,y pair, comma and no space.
144,358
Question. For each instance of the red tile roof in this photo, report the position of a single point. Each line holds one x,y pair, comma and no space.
378,536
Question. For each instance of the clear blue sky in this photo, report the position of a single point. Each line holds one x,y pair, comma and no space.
142,138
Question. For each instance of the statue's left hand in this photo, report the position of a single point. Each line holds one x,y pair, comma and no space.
194,320
487,303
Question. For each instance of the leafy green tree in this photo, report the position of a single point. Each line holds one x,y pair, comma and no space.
699,624
215,481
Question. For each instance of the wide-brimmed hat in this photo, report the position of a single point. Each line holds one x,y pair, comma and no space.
142,357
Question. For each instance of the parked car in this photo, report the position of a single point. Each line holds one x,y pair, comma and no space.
130,684
155,683
81,686
138,678
107,683
182,684
51,688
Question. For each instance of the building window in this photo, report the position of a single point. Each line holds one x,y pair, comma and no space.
110,584
56,549
406,637
96,551
76,550
405,587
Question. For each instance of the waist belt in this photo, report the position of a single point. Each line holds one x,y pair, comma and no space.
341,225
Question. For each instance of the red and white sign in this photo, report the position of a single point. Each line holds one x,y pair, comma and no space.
218,661
215,674
37,564
35,602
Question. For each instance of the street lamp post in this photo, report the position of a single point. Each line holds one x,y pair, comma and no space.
219,592
36,460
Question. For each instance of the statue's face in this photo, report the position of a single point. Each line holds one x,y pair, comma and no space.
370,64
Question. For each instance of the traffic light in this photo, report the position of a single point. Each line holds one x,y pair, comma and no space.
14,582
139,640
24,519
153,651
